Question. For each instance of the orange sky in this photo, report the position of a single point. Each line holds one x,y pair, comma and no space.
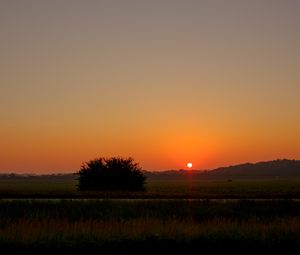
166,82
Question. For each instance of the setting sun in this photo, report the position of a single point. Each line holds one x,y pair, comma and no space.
189,165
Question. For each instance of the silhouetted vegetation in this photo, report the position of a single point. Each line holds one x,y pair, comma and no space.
178,226
114,173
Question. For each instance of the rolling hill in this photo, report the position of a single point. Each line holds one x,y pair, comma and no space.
280,168
269,169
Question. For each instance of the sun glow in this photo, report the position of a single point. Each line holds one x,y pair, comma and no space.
189,165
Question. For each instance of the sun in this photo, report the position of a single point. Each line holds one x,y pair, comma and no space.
189,165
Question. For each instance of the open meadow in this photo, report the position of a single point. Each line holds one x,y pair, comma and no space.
64,186
172,215
174,225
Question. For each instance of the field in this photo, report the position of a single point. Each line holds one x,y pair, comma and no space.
92,224
175,216
65,187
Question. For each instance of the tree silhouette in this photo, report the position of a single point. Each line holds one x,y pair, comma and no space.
114,173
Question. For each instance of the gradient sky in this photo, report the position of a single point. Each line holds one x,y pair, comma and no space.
214,82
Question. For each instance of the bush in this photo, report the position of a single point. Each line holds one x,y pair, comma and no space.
114,173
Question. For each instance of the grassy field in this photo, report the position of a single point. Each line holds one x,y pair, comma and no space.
59,187
174,225
167,217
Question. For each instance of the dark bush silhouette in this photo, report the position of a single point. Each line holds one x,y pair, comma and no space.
114,173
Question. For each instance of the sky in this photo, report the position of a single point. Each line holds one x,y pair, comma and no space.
167,82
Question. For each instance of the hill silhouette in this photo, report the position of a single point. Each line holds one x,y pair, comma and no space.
280,167
266,169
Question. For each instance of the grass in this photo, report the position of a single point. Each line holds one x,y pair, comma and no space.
166,218
143,209
180,224
66,188
62,233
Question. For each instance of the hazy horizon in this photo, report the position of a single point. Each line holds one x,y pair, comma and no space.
143,169
166,82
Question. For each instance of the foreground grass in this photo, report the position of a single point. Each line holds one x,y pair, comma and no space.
172,225
97,233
